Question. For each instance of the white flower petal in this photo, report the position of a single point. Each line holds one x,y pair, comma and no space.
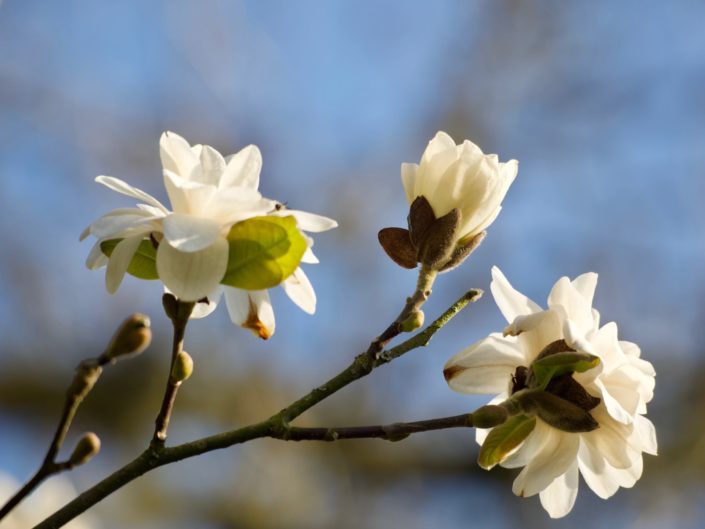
511,302
610,439
555,456
116,223
119,261
408,180
646,433
212,165
124,188
300,291
96,258
252,310
586,284
603,478
309,257
485,367
192,275
559,497
190,234
243,169
234,204
188,196
177,156
306,221
566,299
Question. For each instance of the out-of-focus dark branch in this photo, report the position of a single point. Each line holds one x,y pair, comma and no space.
132,337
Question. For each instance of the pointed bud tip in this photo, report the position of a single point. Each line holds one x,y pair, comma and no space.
86,448
132,337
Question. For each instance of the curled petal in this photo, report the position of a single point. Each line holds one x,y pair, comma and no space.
188,196
566,299
192,275
485,367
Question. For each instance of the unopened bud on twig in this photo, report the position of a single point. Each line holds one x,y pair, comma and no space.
131,338
489,416
413,321
183,367
87,447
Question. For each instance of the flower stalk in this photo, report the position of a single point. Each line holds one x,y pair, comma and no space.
179,313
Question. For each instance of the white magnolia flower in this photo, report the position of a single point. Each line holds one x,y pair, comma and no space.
460,176
208,194
252,309
608,457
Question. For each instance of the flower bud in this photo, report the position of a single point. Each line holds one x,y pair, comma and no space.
86,447
413,321
459,177
183,367
131,338
489,416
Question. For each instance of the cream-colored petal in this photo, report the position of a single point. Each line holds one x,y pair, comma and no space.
187,233
559,497
485,367
300,291
511,302
309,257
646,433
408,180
187,196
192,275
124,188
243,169
566,299
177,156
212,166
586,284
201,310
555,456
610,439
119,261
233,204
117,223
96,258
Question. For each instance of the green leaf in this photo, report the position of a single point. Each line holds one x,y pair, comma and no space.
503,439
143,264
264,251
549,367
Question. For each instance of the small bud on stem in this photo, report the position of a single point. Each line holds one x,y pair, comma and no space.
86,447
182,368
131,338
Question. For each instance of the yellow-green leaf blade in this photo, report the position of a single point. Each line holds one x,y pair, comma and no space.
143,264
503,439
555,365
264,251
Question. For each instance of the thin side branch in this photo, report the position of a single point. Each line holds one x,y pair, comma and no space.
158,455
388,432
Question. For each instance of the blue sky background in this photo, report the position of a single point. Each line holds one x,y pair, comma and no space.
601,102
